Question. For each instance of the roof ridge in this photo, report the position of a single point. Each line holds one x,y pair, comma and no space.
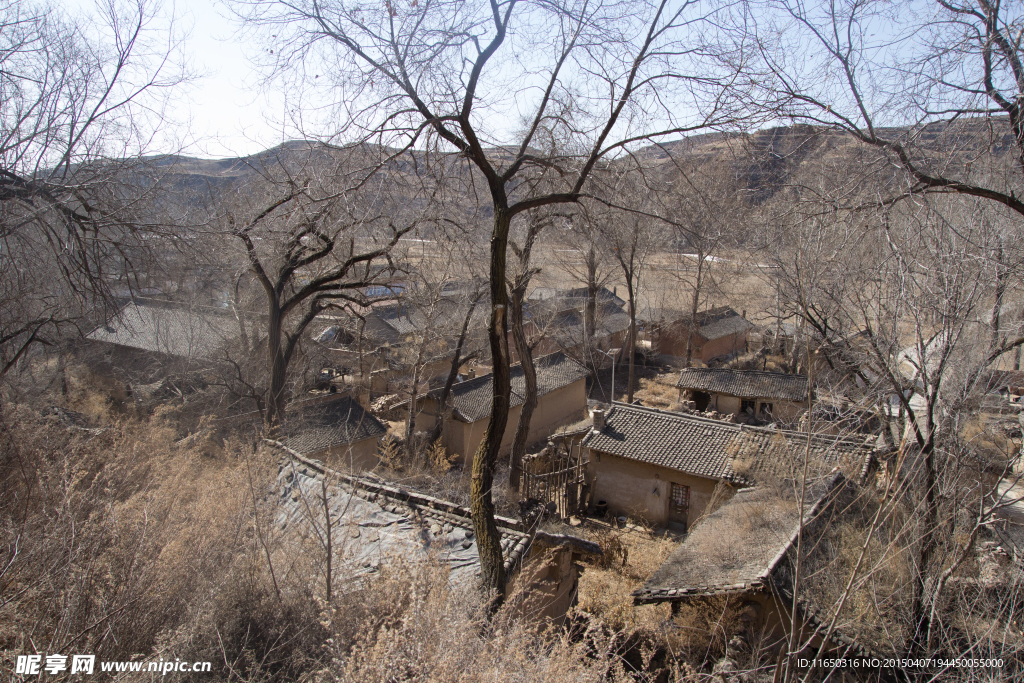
685,417
767,431
745,371
826,438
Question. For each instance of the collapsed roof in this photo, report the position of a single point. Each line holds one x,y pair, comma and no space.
380,522
170,329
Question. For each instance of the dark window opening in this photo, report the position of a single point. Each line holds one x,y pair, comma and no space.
701,399
747,406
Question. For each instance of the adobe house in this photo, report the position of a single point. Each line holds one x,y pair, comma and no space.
766,396
379,522
560,316
743,554
664,466
715,333
561,400
334,429
148,340
382,341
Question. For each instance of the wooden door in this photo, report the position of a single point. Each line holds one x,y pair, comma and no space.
679,506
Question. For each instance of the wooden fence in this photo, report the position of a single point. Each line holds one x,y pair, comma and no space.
556,475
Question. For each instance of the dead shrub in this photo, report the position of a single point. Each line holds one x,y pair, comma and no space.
438,458
391,453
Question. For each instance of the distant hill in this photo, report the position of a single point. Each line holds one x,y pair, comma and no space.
763,161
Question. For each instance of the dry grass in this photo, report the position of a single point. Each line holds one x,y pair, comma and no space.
125,546
605,591
659,392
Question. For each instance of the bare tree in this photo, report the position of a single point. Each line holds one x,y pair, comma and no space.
522,274
436,74
311,246
582,255
77,107
631,236
701,210
900,301
938,97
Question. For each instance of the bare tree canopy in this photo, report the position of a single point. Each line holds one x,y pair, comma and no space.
80,100
583,81
935,86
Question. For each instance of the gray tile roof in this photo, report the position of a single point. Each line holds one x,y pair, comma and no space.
567,326
746,383
741,545
381,521
471,399
720,322
169,329
720,450
317,426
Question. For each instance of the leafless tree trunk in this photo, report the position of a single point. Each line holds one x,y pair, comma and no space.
520,281
78,97
457,360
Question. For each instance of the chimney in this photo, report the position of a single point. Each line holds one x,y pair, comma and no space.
598,417
471,373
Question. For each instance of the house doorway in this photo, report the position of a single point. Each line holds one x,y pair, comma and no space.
678,507
701,399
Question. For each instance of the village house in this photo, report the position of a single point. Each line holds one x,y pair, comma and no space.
744,553
556,320
380,522
149,340
381,341
664,467
561,400
766,396
715,334
334,429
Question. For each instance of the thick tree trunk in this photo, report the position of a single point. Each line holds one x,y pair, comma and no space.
410,425
278,370
530,378
488,540
920,605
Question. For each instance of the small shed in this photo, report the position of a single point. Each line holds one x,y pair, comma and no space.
744,553
715,333
561,400
664,466
335,429
768,396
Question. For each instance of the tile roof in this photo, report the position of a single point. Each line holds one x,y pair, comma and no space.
318,425
721,450
740,546
170,329
576,296
381,521
567,326
471,399
746,383
720,322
